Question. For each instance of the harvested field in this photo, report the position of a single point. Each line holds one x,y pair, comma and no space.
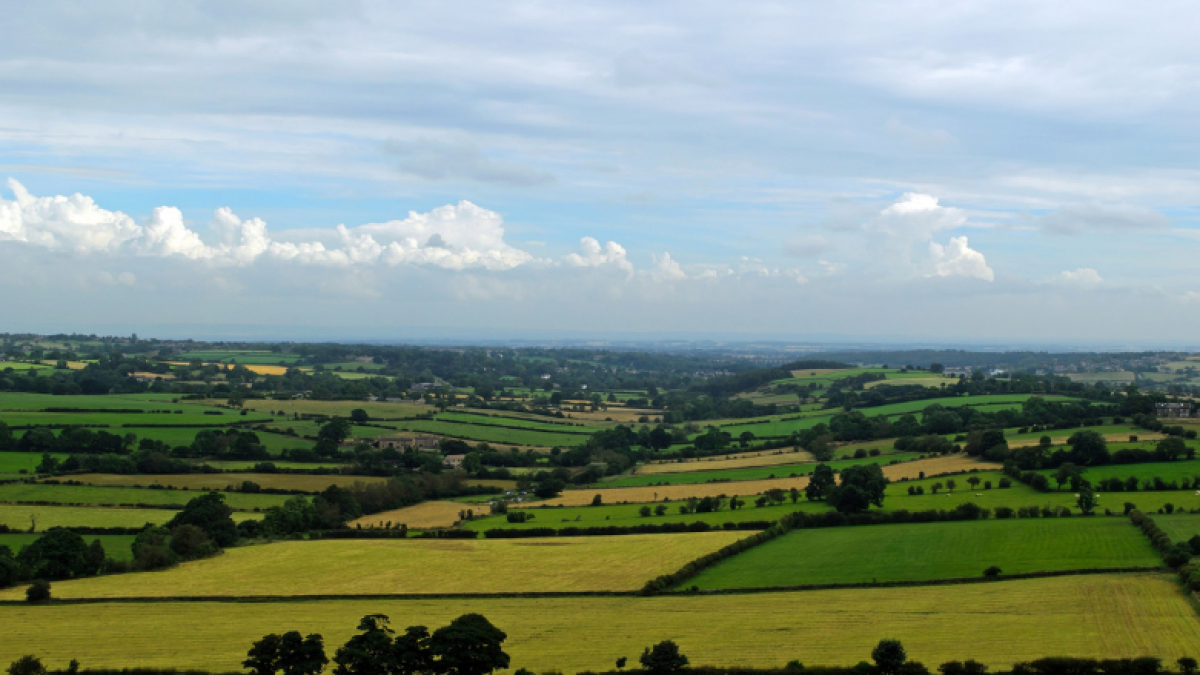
420,516
367,567
740,461
220,481
909,470
1100,616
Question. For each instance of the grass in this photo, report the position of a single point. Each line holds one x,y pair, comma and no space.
219,481
752,473
1180,526
17,516
924,551
87,495
423,515
368,567
475,432
1168,471
377,410
15,462
116,546
1099,616
518,422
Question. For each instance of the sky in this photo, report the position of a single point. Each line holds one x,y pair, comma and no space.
877,171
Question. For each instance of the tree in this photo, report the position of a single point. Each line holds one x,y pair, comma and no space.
38,591
57,554
209,513
263,656
334,431
992,571
1088,448
621,662
190,542
973,481
27,665
369,652
663,658
889,656
820,483
359,416
1087,500
861,486
548,488
411,652
470,645
301,656
1187,665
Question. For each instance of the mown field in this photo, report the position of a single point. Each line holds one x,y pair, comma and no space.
494,434
116,546
752,473
1180,527
1104,616
924,551
379,567
423,515
375,409
88,495
17,516
16,462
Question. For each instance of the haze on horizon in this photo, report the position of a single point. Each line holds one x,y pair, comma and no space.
889,170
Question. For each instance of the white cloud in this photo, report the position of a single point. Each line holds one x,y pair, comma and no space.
959,259
667,269
1084,277
1116,218
454,237
592,255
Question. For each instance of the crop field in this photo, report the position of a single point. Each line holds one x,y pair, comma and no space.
496,434
174,437
241,356
926,551
377,410
565,426
1179,526
220,481
1104,616
752,473
433,566
921,380
419,516
77,495
653,493
18,516
724,462
627,515
116,546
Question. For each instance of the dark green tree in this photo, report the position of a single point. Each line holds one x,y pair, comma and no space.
301,655
369,652
1088,448
861,486
38,591
263,656
27,665
411,653
210,513
820,483
58,554
1087,500
470,645
663,658
889,657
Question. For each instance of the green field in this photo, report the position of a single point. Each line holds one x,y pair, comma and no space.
247,357
925,551
17,516
116,546
373,567
519,422
752,473
475,432
1097,616
87,495
1180,527
1168,471
15,462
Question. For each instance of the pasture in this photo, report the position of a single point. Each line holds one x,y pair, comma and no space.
927,551
220,481
82,495
1101,616
752,473
16,462
377,410
494,434
20,517
725,462
416,566
1179,526
116,546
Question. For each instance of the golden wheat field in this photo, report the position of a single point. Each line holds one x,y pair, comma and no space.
423,515
1107,616
907,470
380,567
739,461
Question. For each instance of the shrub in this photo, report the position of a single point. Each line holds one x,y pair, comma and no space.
992,571
38,591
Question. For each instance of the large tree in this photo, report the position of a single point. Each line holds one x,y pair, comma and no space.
820,483
1088,448
470,645
861,486
369,652
58,554
210,513
663,658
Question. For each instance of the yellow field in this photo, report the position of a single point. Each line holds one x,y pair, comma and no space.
17,516
1102,616
423,515
365,567
931,381
1142,435
583,496
219,481
742,461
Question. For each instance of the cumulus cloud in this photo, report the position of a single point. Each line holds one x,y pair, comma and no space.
1084,277
959,259
592,255
454,237
1078,219
666,269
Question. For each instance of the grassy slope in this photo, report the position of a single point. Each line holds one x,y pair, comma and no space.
922,551
366,567
998,624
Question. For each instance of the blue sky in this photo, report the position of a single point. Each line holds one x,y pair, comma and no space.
887,170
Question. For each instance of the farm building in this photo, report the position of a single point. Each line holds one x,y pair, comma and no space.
418,442
1174,410
453,461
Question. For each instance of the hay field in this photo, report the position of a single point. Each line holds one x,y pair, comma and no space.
924,551
925,381
907,470
1106,616
366,567
220,481
17,516
419,516
740,461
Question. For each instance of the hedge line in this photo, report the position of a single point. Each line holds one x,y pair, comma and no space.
1175,555
666,581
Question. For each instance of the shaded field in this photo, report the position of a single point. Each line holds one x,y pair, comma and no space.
17,516
720,463
494,434
85,495
753,473
924,551
366,567
614,495
220,481
1098,616
423,515
116,546
1180,527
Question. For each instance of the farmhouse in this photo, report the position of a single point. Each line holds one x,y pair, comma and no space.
1174,410
417,442
453,461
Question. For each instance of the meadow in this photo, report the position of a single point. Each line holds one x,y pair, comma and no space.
376,410
220,481
1099,616
16,462
1179,526
926,551
116,546
412,566
77,495
494,434
722,462
18,516
1168,471
752,473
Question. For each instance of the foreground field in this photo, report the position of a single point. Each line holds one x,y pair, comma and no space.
933,551
367,567
20,516
1104,616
